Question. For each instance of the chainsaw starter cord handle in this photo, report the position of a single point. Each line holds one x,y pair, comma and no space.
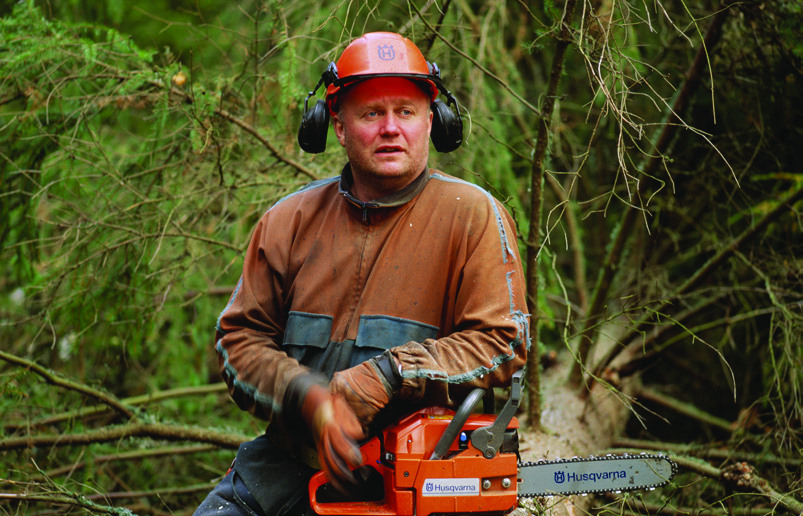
456,424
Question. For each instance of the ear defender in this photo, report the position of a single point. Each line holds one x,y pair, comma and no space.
314,125
447,126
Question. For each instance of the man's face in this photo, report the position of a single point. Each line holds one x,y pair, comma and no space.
384,124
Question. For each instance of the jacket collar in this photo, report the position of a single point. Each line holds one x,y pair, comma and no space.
399,198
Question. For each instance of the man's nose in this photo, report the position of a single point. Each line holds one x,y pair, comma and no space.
390,124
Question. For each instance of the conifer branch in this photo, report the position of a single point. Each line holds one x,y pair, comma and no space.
687,409
624,444
74,500
245,126
162,431
150,453
133,401
55,379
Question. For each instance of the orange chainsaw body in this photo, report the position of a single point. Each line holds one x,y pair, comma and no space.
463,481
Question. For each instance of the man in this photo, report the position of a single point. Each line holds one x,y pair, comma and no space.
365,296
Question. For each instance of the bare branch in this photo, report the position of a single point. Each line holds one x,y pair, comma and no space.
625,228
475,63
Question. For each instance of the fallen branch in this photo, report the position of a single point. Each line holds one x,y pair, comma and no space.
55,379
637,506
132,455
631,346
687,409
712,264
74,500
743,476
161,431
197,488
134,401
624,444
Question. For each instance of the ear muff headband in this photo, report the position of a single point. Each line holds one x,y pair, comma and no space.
447,124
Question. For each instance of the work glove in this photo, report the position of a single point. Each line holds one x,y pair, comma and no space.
369,386
334,428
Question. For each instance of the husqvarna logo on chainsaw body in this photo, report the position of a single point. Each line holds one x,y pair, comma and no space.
560,477
386,52
451,487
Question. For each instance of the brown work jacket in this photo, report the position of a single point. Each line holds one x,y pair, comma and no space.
431,272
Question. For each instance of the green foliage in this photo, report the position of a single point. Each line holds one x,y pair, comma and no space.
133,166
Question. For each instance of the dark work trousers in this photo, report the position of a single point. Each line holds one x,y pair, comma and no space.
265,481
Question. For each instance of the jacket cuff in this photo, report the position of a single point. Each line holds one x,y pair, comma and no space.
387,366
294,396
412,387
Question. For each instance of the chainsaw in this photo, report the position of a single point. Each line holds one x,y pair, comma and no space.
438,461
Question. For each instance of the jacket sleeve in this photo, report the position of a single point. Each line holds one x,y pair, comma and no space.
249,330
491,323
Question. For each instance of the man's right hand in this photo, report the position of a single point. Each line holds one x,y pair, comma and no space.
336,431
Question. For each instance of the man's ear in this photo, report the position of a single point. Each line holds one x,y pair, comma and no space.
340,130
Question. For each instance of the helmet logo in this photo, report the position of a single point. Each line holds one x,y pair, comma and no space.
386,52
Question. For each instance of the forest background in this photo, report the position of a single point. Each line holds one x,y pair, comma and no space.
649,151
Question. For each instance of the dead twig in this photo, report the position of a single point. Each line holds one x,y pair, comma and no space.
625,229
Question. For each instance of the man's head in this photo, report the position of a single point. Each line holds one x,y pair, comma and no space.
384,123
380,55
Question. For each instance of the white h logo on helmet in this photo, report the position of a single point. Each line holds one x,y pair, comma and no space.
386,52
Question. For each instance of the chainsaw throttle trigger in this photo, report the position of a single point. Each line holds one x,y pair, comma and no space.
489,439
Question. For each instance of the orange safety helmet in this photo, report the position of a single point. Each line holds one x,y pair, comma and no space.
379,54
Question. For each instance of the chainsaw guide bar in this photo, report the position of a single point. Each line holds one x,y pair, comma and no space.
594,474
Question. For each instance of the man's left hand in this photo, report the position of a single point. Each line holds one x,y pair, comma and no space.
368,387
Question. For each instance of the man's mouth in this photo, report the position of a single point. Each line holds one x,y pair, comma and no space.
388,149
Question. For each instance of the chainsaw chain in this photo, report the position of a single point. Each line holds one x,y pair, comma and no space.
594,458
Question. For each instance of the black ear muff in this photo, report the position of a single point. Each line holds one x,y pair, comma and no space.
314,125
315,122
447,126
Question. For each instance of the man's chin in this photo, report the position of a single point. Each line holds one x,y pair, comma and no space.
389,172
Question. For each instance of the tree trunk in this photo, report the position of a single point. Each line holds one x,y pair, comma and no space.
573,425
